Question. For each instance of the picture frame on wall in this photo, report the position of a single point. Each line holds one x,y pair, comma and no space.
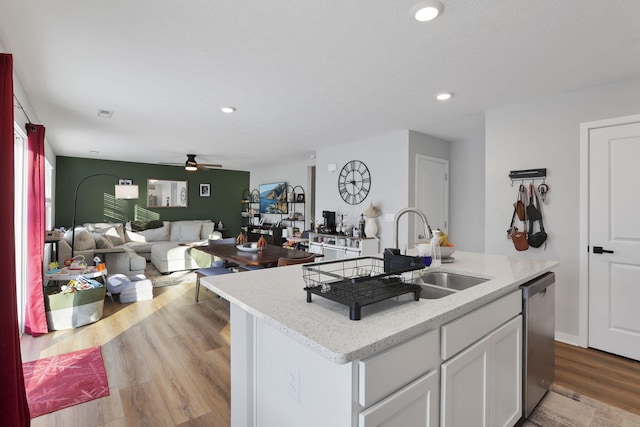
205,190
125,182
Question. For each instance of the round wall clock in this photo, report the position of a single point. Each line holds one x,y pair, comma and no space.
354,182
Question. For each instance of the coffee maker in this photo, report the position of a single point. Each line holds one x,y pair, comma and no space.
329,225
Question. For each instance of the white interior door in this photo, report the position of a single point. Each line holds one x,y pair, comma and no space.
432,193
614,208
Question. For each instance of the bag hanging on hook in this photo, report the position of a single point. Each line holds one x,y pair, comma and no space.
537,239
519,205
533,213
518,237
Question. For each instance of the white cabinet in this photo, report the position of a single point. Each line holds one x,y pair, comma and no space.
383,373
342,247
506,393
481,386
401,386
466,373
415,405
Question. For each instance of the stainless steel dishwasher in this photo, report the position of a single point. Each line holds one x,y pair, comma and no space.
538,310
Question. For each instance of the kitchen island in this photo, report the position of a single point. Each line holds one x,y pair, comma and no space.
297,363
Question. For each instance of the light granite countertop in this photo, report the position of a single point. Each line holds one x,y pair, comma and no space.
276,297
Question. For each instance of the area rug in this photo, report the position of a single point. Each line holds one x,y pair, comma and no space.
177,277
564,407
65,380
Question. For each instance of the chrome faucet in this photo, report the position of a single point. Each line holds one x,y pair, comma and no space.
396,220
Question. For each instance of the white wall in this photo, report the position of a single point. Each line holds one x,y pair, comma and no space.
386,157
291,171
467,194
545,133
21,118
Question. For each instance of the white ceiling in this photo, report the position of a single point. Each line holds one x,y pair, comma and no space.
302,74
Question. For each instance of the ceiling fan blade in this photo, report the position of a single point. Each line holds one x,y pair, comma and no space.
191,161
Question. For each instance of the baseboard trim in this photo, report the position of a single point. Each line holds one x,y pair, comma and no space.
568,338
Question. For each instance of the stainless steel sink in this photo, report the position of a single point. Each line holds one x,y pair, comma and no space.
432,292
453,281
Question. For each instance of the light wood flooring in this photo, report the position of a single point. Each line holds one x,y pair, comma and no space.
603,376
167,362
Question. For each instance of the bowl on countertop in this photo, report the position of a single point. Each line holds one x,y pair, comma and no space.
447,251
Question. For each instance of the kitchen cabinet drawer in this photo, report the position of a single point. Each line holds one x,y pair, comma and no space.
315,248
390,370
464,331
414,405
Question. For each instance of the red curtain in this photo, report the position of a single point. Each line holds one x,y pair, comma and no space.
35,317
13,398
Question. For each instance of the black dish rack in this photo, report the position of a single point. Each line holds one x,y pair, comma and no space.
358,282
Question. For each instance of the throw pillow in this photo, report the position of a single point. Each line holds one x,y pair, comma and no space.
84,241
115,235
185,231
102,242
207,229
157,234
146,225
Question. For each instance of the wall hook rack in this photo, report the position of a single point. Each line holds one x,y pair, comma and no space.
528,174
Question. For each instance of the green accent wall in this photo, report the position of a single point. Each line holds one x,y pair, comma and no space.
96,202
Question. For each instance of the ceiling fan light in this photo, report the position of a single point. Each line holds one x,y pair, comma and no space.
228,109
190,168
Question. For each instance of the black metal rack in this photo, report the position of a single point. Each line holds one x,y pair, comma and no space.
357,282
526,174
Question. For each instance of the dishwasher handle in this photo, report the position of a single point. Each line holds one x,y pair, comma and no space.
538,285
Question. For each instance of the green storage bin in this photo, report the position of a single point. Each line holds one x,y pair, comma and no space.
66,311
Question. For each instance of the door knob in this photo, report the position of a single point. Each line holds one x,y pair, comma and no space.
599,250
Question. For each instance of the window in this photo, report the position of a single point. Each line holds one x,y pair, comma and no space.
20,191
48,194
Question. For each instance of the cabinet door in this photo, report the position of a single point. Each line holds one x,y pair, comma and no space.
315,248
506,367
333,253
349,253
482,386
465,387
415,405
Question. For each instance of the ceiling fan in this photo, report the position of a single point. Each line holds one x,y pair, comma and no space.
191,164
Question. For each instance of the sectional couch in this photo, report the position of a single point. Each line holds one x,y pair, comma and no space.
126,248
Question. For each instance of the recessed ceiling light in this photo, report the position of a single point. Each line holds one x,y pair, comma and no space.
427,10
105,114
444,96
228,110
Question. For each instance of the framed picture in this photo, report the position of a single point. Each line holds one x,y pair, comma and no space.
273,198
125,182
300,198
205,190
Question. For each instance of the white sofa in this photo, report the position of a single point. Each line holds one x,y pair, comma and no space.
126,251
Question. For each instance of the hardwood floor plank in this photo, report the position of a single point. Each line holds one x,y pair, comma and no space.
606,377
123,365
143,406
171,376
